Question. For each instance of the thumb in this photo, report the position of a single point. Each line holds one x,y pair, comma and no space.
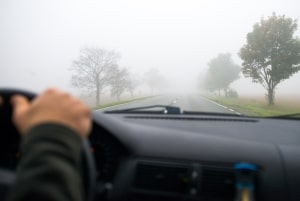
19,104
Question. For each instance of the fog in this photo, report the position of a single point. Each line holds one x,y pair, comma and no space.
40,39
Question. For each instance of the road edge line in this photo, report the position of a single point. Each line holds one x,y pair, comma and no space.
227,108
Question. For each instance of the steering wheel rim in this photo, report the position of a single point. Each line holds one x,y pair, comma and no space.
6,126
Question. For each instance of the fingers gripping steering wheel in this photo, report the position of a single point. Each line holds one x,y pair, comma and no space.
10,140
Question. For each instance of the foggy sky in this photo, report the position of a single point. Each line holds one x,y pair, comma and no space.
40,39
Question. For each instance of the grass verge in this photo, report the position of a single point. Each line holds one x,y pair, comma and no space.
119,103
256,106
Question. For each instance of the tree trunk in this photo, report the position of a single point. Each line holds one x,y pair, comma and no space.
270,96
225,92
98,90
97,96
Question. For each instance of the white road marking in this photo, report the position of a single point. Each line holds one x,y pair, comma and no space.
223,106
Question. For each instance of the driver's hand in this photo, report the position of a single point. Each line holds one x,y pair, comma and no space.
52,106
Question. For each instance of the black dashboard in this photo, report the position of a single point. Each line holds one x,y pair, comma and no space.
190,157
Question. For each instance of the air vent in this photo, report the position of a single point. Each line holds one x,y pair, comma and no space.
161,178
165,117
217,182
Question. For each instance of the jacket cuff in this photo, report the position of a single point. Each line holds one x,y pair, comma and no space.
52,132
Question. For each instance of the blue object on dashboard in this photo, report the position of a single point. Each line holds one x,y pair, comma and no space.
245,181
244,185
245,166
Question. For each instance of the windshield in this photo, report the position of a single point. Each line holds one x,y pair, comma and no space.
239,57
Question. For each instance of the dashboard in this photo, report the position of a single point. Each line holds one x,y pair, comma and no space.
192,157
188,157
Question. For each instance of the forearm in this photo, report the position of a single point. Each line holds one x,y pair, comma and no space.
50,165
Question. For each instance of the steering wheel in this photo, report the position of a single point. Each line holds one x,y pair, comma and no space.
10,141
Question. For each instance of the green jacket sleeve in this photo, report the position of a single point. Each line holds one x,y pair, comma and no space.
50,165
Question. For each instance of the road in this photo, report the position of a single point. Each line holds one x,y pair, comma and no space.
185,102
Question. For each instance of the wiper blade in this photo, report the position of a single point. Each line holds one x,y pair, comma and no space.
166,110
212,113
286,116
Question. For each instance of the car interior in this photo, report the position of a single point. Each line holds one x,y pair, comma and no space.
157,156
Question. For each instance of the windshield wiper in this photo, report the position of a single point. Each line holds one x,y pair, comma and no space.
287,116
166,110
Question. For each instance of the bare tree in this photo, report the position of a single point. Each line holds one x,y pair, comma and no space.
119,82
93,69
155,80
132,83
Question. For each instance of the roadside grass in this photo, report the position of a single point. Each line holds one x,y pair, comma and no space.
257,106
102,106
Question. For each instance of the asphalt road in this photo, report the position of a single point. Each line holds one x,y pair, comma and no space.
185,102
